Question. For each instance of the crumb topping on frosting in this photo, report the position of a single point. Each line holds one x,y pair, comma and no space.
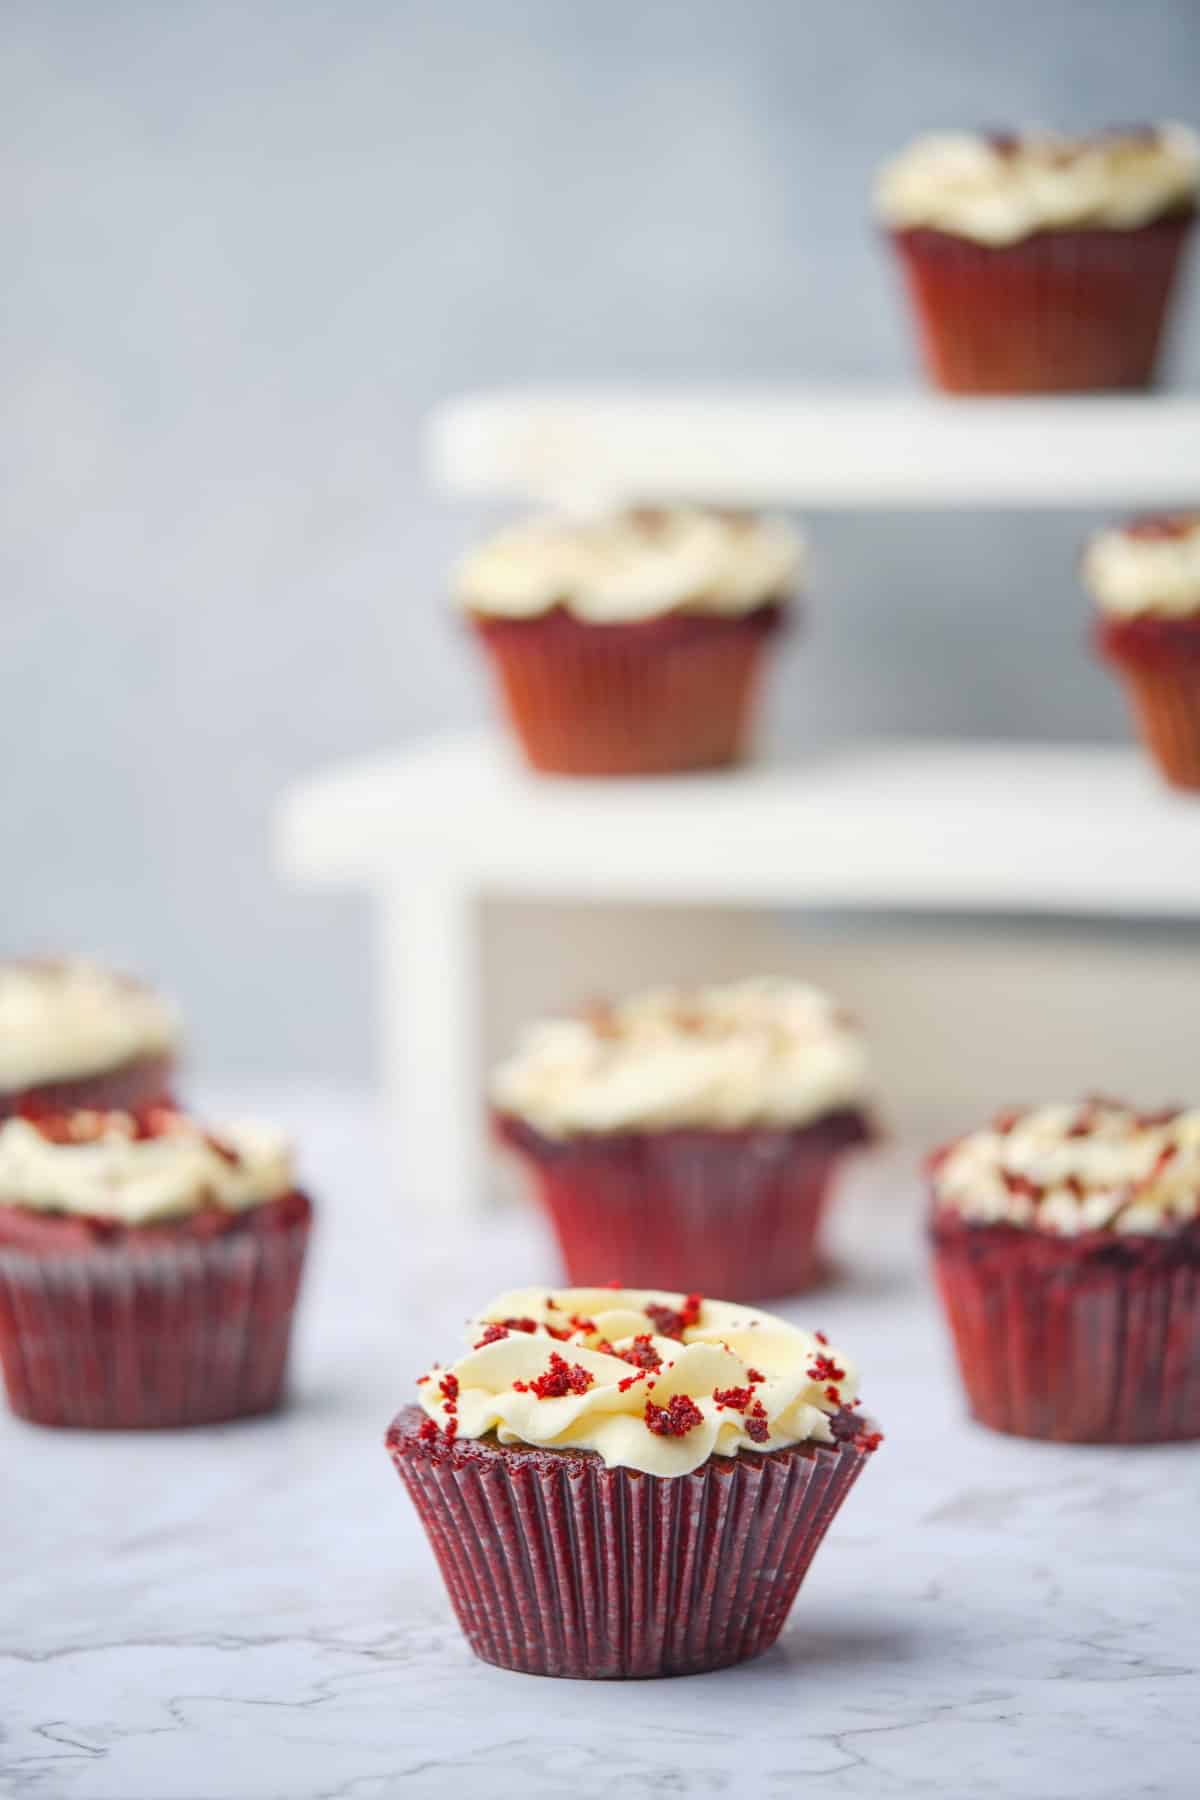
1147,567
61,1020
640,564
1067,1169
137,1168
997,188
763,1052
592,1369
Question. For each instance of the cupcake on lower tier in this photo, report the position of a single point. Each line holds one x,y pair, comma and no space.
1145,578
689,1137
148,1268
1066,1244
619,1483
630,645
1036,262
74,1034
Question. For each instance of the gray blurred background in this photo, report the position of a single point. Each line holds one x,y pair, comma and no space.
250,245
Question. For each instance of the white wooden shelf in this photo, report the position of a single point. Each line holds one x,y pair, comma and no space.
431,830
808,446
942,826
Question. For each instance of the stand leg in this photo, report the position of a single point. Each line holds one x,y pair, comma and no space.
428,1021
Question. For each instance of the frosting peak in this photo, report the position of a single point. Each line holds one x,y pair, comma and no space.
997,189
639,564
134,1169
1069,1169
64,1019
652,1381
1149,566
764,1052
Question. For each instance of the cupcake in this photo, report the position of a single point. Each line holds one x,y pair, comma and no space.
148,1268
1037,263
630,645
1066,1245
689,1138
1145,578
74,1034
621,1483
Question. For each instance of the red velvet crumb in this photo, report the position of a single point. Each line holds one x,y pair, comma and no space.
739,1397
641,1353
558,1380
820,1337
519,1324
679,1416
825,1369
428,1432
448,1388
667,1322
492,1335
757,1426
755,1375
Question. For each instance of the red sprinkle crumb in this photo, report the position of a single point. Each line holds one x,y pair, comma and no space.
755,1375
668,1322
421,1380
558,1380
449,1388
679,1416
581,1323
739,1397
641,1353
624,1386
825,1369
831,1393
492,1335
529,1325
821,1338
428,1432
450,1430
757,1427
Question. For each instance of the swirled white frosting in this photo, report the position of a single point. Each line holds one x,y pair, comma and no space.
755,1382
1138,569
1069,1169
108,1172
635,565
63,1020
776,1053
997,191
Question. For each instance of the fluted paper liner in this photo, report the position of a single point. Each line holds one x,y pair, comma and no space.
556,1565
140,1334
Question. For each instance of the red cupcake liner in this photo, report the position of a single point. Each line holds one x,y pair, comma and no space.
649,698
1088,1340
1059,311
1158,660
556,1565
149,1326
131,1087
735,1213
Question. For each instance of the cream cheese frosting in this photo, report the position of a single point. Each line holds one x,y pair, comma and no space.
1068,1169
762,1052
1150,567
630,566
657,1382
997,190
106,1170
63,1020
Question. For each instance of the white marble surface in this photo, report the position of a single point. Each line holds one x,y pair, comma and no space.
251,1613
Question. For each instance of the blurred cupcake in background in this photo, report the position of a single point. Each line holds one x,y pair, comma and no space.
689,1139
1036,262
621,1484
1066,1246
1145,579
75,1034
631,644
148,1268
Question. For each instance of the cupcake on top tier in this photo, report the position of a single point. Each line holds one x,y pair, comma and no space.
1067,1250
148,1267
623,1483
688,1137
1145,579
1037,262
631,644
74,1034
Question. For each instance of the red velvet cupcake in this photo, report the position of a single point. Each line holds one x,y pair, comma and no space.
683,1139
621,1484
74,1034
1145,578
1036,263
630,645
148,1268
1066,1244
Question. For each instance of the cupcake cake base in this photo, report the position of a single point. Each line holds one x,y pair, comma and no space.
1093,1339
135,1085
123,1328
556,1565
1158,661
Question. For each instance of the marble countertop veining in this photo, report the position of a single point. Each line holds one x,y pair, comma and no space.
251,1612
